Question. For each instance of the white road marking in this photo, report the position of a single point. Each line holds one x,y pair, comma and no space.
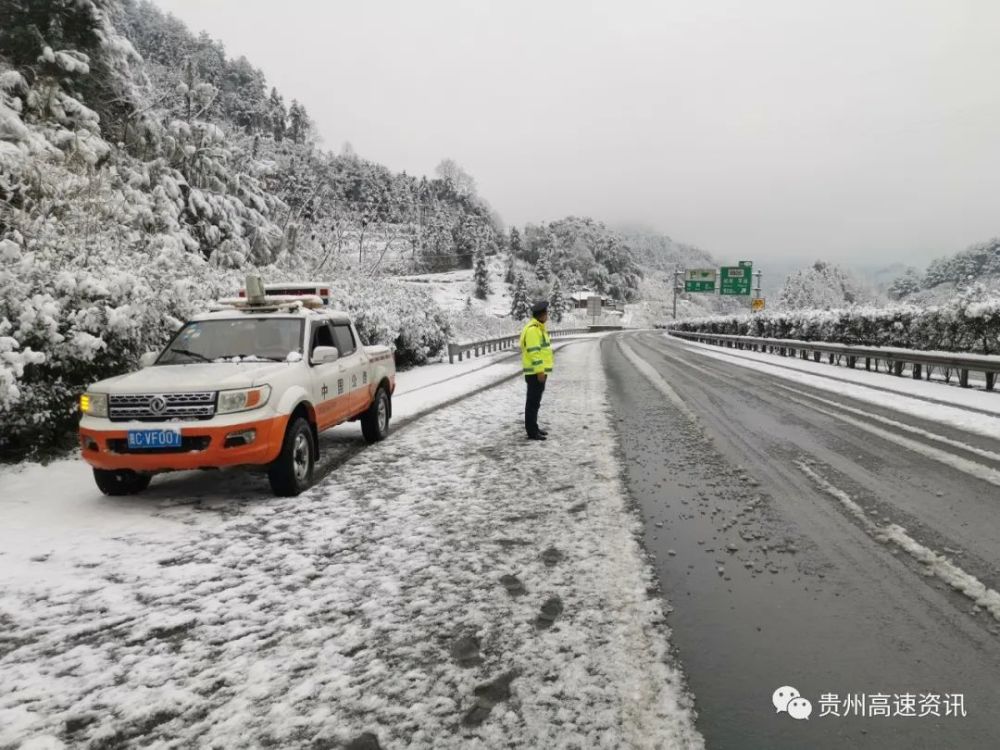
899,425
937,565
961,416
964,465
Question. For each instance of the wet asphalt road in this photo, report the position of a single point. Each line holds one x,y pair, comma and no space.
774,582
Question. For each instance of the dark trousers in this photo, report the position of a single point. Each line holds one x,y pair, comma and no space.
536,388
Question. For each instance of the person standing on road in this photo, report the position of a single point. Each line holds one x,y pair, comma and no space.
536,363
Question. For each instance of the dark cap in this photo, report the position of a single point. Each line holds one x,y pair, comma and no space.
540,306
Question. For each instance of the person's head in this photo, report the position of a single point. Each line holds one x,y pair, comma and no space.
540,310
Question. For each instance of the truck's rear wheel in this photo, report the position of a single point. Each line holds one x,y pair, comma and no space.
292,470
117,482
375,421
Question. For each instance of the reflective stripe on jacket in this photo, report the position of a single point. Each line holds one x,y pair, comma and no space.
536,349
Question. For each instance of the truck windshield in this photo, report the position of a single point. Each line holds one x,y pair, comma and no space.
235,340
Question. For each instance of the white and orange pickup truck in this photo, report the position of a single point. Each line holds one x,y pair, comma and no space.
251,383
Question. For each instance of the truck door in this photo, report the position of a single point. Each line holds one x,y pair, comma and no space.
355,364
329,391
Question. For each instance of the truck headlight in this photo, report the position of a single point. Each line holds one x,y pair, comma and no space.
243,399
94,404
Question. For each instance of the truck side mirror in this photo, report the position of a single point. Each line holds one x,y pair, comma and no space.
148,359
324,354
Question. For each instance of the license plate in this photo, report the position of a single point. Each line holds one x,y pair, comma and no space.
151,439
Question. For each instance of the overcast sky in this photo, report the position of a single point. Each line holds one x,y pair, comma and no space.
765,129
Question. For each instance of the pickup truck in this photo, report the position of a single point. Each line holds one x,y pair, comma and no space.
251,383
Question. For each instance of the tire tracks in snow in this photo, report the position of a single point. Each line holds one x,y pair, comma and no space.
934,563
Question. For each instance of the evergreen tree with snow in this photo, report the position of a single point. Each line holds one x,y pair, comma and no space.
508,272
516,248
908,283
277,115
298,123
543,269
825,286
481,275
557,304
520,308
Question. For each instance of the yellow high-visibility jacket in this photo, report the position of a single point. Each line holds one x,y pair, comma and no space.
536,349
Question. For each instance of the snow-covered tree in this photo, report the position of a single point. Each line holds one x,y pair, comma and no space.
979,263
461,181
557,303
142,171
508,254
516,248
520,308
908,283
825,286
481,275
584,250
277,115
298,123
543,268
467,238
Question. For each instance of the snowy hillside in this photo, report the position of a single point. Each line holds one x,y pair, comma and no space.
977,267
144,172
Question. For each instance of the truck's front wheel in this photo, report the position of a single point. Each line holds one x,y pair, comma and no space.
117,482
292,471
375,421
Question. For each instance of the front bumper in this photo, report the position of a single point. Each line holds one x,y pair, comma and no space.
103,445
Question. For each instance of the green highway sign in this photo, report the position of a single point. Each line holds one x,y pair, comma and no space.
736,280
699,280
746,264
699,286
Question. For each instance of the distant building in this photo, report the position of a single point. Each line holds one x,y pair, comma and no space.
578,300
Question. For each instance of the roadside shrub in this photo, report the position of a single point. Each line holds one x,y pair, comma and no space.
968,323
396,315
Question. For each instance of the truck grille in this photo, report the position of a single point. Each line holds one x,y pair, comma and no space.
160,407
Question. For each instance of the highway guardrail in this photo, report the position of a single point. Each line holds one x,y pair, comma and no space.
475,348
920,362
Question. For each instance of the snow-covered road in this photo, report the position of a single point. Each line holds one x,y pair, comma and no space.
839,537
454,586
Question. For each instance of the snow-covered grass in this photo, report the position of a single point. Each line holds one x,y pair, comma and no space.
430,596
